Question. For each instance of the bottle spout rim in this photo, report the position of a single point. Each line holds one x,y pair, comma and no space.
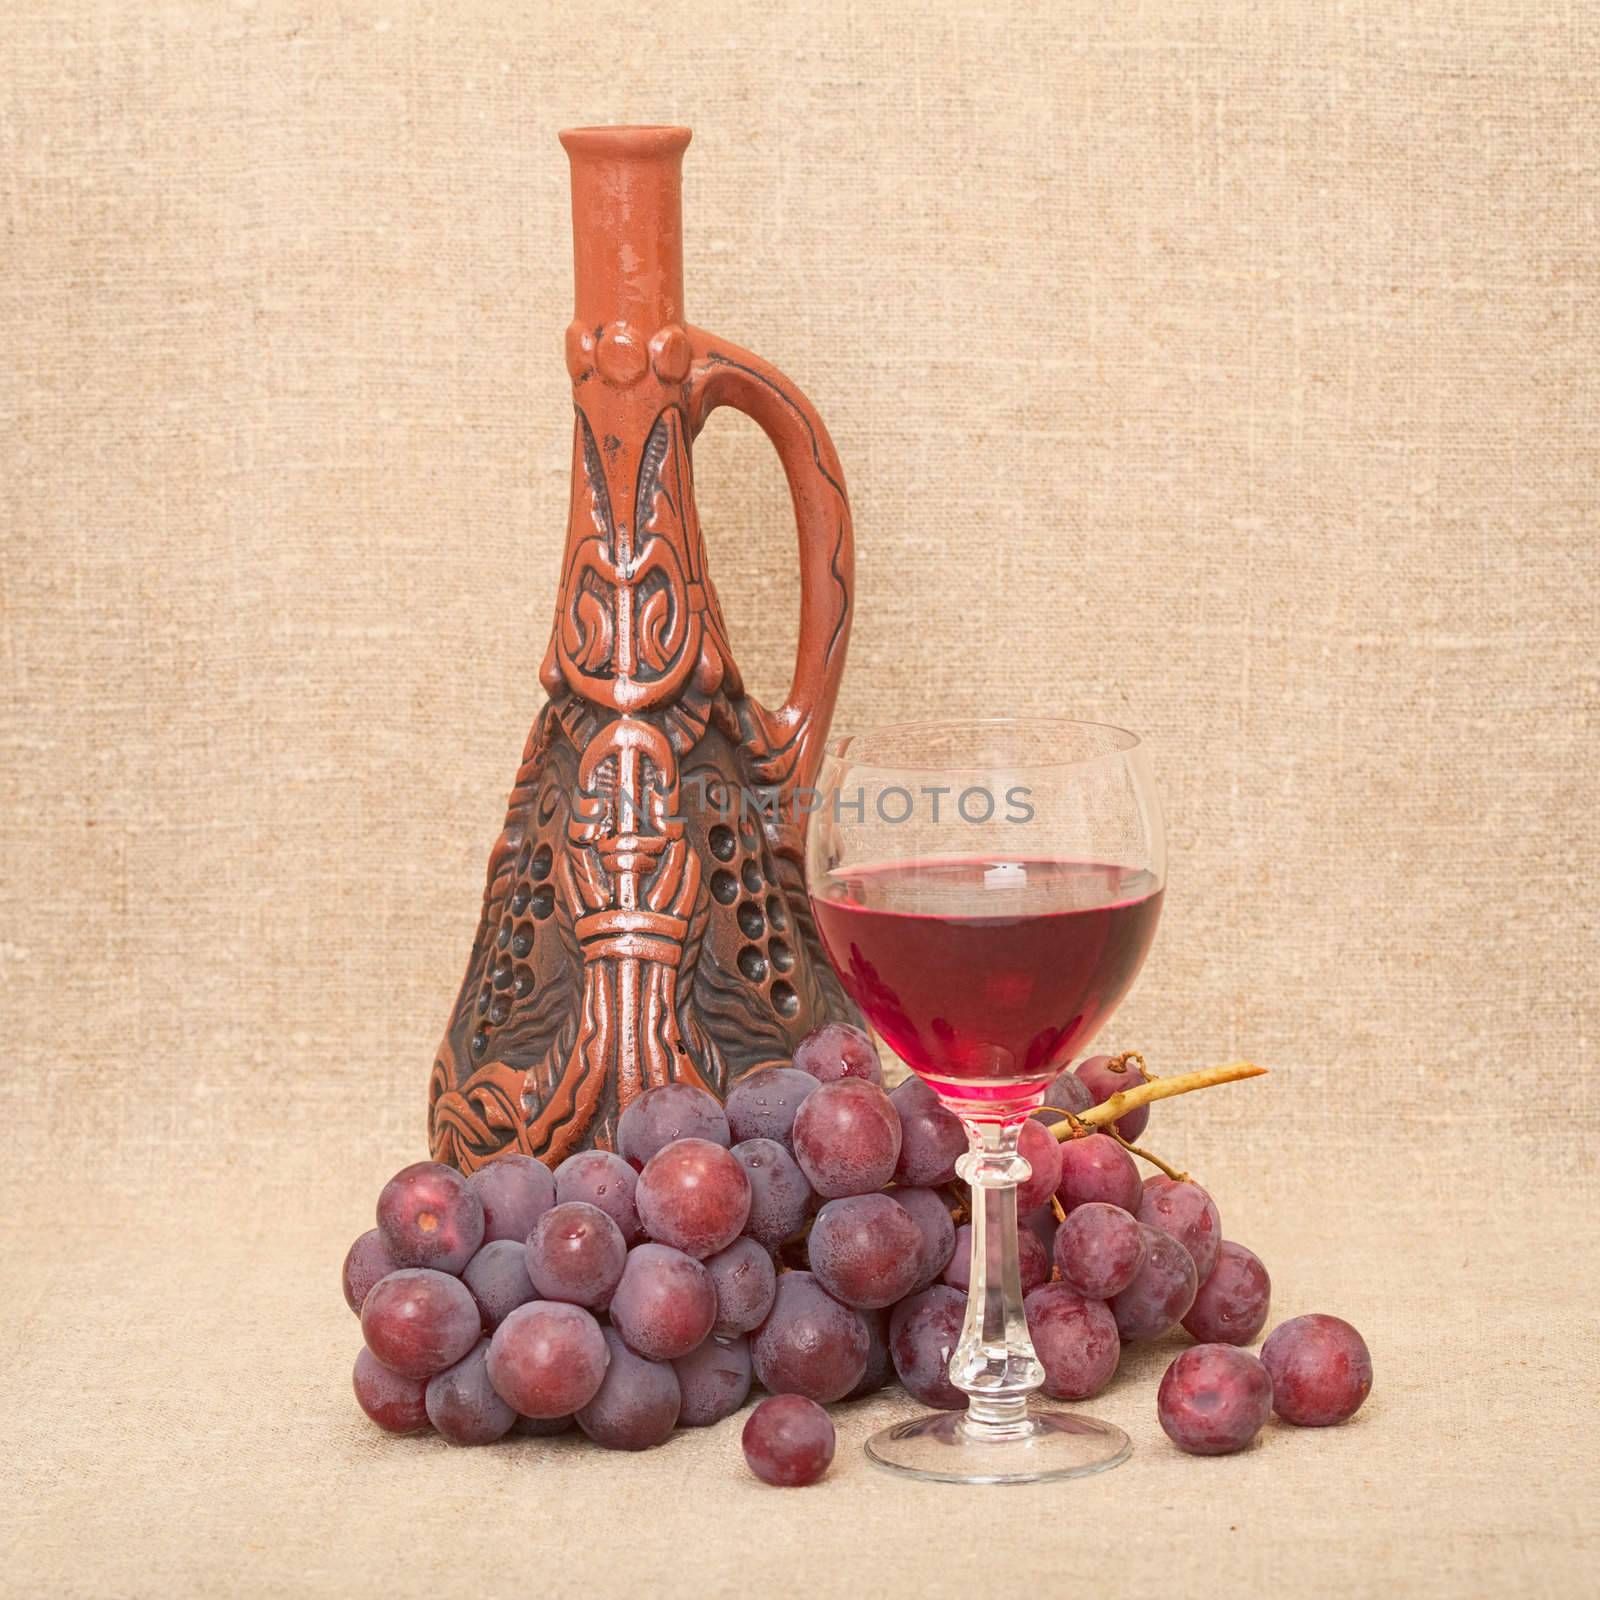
626,140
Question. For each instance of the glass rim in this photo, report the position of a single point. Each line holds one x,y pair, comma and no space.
837,747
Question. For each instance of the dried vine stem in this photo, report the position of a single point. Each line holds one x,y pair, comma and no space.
1141,1094
1130,1058
1150,1156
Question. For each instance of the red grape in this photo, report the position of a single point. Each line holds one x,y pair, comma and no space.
835,1051
396,1404
761,1105
923,1334
636,1405
1321,1370
1162,1290
746,1283
1032,1258
880,1364
1098,1168
788,1441
575,1253
1035,1264
1101,1082
1189,1214
932,1138
418,1321
1067,1092
462,1403
599,1178
1099,1250
810,1343
1042,1225
866,1250
1231,1306
847,1138
515,1191
666,1303
365,1263
1214,1399
547,1358
498,1279
958,1269
1076,1339
652,1120
429,1216
714,1380
693,1195
1042,1151
931,1213
780,1197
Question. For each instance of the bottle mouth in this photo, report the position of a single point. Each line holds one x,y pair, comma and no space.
626,141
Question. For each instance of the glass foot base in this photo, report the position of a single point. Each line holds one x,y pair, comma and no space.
942,1448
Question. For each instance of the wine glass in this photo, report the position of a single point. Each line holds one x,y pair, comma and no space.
987,892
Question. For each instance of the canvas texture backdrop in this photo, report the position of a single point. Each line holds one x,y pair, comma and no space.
1228,373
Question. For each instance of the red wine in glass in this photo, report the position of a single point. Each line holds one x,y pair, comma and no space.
987,975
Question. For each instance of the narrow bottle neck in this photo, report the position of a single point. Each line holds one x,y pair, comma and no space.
627,225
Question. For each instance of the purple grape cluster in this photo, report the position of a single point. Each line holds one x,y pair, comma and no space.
629,1294
1135,1260
801,1238
602,1296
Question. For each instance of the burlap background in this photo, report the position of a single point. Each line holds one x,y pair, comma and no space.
1225,372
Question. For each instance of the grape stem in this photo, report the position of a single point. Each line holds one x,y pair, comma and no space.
1141,1094
1122,1062
1154,1160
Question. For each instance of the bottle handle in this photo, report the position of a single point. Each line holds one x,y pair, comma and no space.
724,375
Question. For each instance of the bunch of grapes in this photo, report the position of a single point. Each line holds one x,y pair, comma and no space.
802,1237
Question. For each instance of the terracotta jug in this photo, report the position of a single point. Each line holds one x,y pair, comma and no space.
645,920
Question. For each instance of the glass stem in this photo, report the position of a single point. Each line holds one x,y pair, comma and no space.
994,1365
